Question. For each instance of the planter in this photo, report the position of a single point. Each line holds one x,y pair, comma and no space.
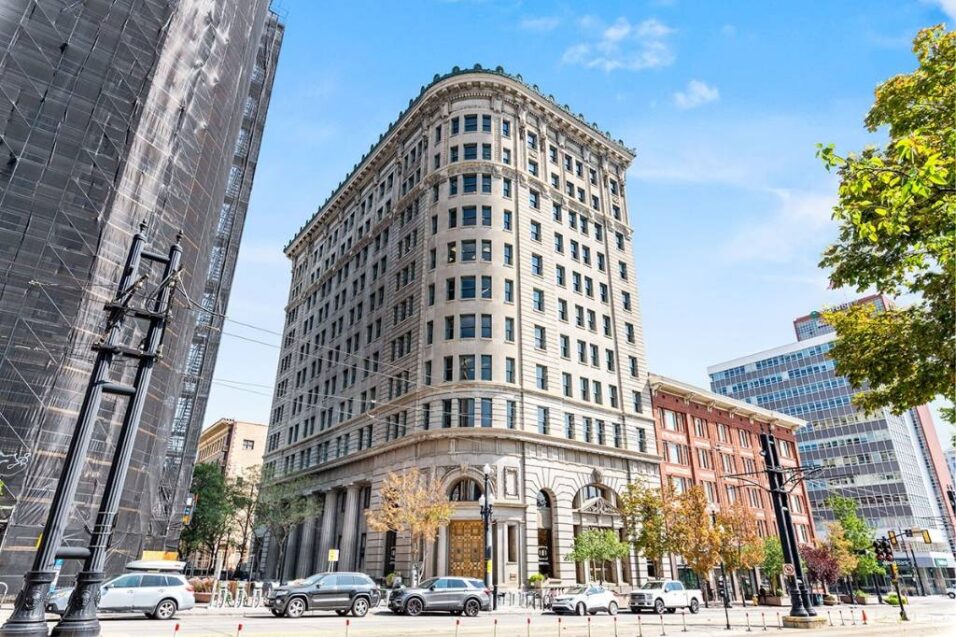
830,600
203,598
846,599
774,600
863,600
816,599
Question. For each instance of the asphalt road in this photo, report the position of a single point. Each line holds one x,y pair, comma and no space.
935,616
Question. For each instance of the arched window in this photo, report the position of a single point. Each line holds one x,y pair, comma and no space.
465,490
591,491
544,502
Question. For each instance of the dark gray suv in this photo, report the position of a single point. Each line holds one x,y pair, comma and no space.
456,595
339,592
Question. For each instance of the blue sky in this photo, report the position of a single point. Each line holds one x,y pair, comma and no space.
724,103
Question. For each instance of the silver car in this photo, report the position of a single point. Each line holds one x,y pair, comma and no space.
456,595
159,595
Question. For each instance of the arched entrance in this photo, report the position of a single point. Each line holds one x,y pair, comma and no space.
466,542
595,507
545,534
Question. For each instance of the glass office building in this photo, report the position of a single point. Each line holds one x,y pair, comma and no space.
877,459
114,113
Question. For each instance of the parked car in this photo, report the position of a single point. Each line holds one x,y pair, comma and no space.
951,591
159,595
660,595
456,595
582,600
339,592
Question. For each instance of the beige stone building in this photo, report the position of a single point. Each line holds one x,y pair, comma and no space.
234,445
467,295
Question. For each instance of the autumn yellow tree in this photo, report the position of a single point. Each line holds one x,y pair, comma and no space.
414,505
650,517
741,546
698,541
842,549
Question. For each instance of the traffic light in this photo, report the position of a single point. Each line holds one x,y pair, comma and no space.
893,539
926,537
883,550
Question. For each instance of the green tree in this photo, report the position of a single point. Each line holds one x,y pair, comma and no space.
772,564
597,547
212,511
651,517
281,506
897,232
858,535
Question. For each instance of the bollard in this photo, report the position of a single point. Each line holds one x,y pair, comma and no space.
348,622
842,621
559,627
830,617
748,621
495,629
528,633
457,623
589,626
864,617
853,617
640,629
683,621
176,630
662,625
238,630
780,623
615,626
763,620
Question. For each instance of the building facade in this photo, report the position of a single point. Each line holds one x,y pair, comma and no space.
115,113
712,441
467,296
876,459
234,445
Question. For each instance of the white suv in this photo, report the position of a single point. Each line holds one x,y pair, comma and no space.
588,599
159,595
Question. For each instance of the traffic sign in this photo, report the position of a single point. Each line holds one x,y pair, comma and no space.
333,555
788,569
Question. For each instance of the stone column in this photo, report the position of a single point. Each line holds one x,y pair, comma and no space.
328,528
348,551
441,564
291,553
307,546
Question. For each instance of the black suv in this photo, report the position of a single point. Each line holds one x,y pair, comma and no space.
457,595
341,592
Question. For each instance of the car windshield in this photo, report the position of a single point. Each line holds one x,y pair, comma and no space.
428,583
576,590
654,583
312,580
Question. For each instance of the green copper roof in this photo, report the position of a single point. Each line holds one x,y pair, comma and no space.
456,71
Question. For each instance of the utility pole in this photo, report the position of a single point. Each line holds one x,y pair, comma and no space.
799,596
28,613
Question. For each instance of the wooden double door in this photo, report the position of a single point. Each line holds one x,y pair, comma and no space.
466,548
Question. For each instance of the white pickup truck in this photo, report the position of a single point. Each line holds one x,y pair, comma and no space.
664,594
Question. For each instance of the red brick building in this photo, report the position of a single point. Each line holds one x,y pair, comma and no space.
704,438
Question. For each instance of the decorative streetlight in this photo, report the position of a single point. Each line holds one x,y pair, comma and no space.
486,502
723,577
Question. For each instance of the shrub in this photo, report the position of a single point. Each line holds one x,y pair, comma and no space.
893,600
535,578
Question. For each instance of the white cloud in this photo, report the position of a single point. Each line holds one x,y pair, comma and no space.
948,7
540,24
696,94
801,223
622,45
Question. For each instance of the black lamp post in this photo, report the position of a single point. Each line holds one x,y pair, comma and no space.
486,501
723,577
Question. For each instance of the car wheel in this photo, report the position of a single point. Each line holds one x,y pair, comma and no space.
414,607
472,606
952,595
295,608
360,607
612,608
694,606
659,607
581,609
165,609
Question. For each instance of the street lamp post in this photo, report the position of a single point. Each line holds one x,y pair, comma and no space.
486,501
723,577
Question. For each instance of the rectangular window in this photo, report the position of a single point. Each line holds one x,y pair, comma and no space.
467,287
509,291
509,370
532,141
537,299
466,367
540,339
469,183
486,287
506,187
509,259
505,128
454,126
466,326
469,216
452,154
535,231
509,329
486,123
486,152
486,411
565,346
566,384
449,328
449,369
559,243
569,426
533,167
469,250
471,123
486,367
486,184
506,156
452,218
428,372
486,216
486,250
511,414
541,376
506,220
534,199
470,152
466,412
486,326
544,425
449,289
559,276
446,414
537,264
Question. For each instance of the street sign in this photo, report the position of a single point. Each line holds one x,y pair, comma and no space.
788,569
333,555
